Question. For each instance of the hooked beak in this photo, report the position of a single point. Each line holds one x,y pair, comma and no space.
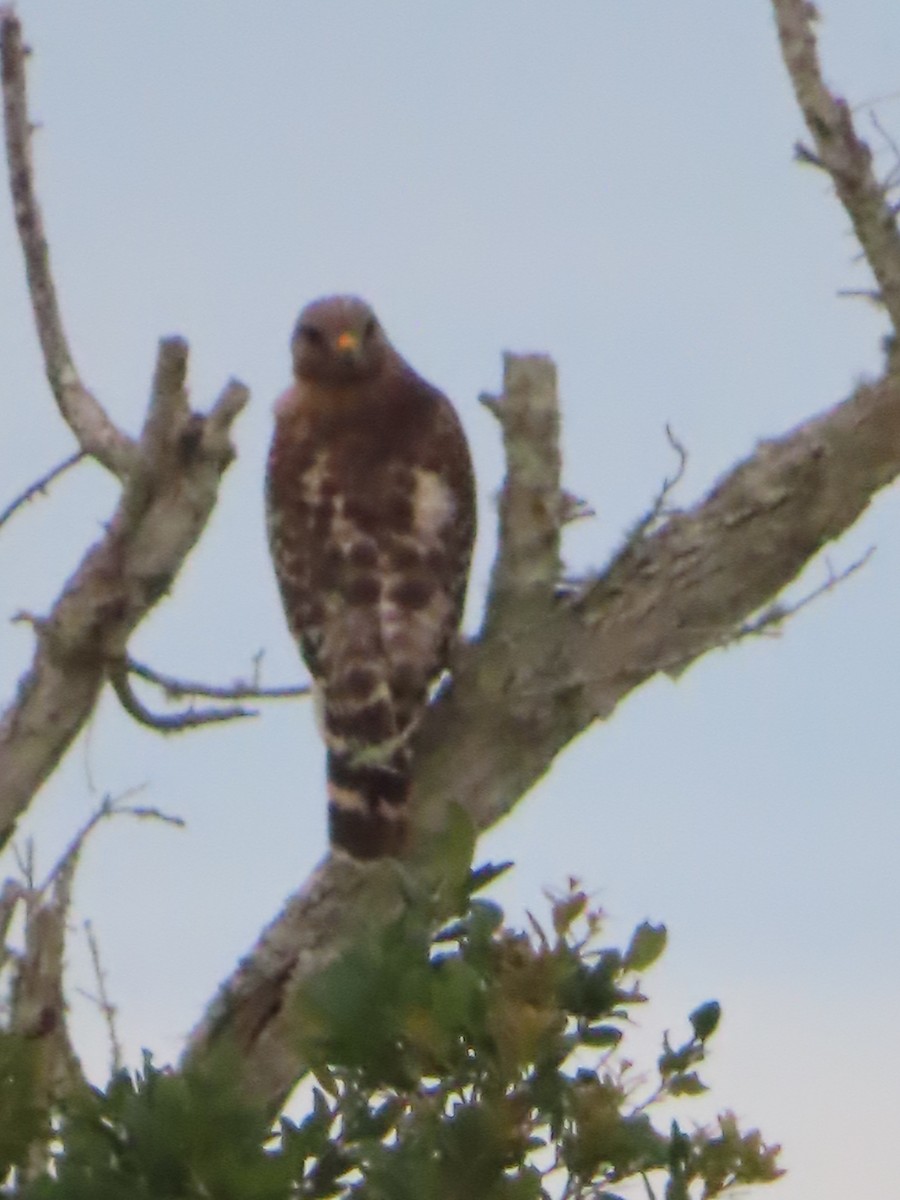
347,344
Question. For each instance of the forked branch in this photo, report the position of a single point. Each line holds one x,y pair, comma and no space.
684,584
170,480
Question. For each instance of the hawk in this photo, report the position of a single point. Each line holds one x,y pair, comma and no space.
370,502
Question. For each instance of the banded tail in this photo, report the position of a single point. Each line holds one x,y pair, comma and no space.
368,804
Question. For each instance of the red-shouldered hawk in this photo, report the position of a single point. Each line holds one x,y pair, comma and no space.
371,519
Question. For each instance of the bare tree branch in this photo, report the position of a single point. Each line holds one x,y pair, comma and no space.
39,487
841,152
102,1000
675,591
870,294
163,509
180,722
38,1006
664,601
84,415
528,558
109,806
176,688
771,620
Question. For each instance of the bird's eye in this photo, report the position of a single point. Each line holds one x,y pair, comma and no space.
310,334
370,327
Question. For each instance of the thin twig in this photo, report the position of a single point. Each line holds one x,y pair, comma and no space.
83,413
891,142
651,1195
870,294
883,99
575,508
803,154
678,446
240,690
770,620
102,1000
25,862
575,590
174,722
660,507
840,151
39,487
110,806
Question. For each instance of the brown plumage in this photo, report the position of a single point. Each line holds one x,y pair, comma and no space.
371,517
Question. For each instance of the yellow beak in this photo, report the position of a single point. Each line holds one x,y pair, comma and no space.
347,341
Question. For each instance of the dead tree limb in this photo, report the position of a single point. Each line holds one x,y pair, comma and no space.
180,722
95,432
170,479
669,596
39,487
554,664
840,151
176,688
165,504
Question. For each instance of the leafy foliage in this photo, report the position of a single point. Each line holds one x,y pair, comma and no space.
159,1135
478,1061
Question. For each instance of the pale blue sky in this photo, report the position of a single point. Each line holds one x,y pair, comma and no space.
610,183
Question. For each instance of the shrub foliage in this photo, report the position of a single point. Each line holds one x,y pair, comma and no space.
475,1062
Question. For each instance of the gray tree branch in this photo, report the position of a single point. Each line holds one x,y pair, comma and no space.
165,504
841,152
38,1007
180,722
532,507
176,688
82,412
516,700
170,479
547,665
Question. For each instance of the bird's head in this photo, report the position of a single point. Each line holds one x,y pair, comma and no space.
338,339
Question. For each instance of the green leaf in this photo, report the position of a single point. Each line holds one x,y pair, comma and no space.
594,992
601,1035
454,932
674,1062
310,1138
689,1084
566,911
457,994
646,945
481,877
524,1186
705,1019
